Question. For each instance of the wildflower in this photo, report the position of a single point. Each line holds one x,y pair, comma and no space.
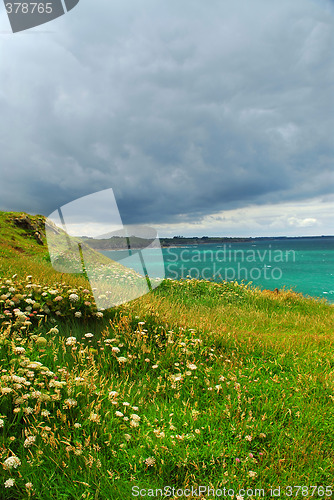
127,437
113,394
150,461
77,425
45,413
191,366
262,435
9,483
58,299
34,364
121,359
73,297
89,335
237,460
29,486
70,403
19,350
135,417
155,366
94,417
1,423
119,414
6,390
78,314
12,461
115,349
29,441
252,473
239,497
99,315
71,341
248,438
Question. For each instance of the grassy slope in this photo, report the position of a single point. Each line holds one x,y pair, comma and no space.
259,400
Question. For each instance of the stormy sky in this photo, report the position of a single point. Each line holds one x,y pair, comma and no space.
205,118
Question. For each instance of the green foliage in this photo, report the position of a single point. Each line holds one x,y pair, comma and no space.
196,383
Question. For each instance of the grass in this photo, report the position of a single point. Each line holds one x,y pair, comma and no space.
195,384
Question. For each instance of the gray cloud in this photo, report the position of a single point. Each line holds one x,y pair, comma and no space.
184,110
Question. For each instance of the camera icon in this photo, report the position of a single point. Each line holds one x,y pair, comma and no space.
29,14
121,264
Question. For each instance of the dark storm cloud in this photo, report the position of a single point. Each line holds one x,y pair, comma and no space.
184,110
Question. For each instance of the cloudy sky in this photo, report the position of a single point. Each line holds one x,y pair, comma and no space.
205,118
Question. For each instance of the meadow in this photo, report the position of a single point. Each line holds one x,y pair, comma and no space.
194,385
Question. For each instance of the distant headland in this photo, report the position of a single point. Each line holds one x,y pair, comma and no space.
118,242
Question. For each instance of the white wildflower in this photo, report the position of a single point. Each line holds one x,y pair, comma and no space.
11,462
9,483
70,403
71,341
121,359
29,441
19,350
73,297
150,461
252,473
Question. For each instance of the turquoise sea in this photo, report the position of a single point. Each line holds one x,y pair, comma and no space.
304,264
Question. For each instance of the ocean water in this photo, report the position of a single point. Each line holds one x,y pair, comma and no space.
304,265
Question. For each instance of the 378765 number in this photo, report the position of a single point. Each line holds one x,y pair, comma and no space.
28,8
309,491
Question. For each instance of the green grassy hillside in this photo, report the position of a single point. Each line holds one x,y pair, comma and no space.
196,385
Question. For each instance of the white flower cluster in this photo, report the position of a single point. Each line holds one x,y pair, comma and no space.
73,297
71,341
11,462
29,441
